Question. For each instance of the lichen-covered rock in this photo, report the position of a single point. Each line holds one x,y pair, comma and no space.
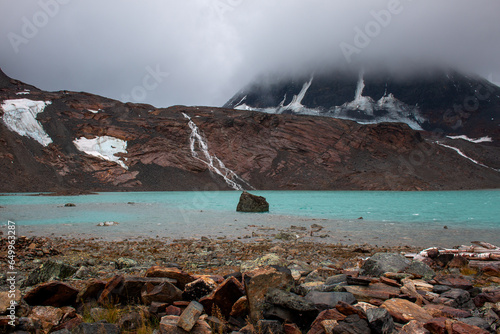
50,270
381,263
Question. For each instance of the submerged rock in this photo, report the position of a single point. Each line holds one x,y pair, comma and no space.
252,203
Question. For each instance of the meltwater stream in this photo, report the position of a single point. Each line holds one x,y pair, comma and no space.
390,218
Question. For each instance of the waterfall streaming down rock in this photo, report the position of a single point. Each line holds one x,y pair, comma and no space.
196,140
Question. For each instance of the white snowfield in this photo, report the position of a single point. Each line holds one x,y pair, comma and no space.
104,147
20,116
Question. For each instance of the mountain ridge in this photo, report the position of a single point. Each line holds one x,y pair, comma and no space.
64,141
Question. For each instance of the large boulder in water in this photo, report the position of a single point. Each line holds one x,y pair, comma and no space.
252,203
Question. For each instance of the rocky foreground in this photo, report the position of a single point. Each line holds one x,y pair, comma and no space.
263,286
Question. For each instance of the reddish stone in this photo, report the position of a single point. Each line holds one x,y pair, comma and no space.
173,310
332,314
449,326
487,296
92,290
223,297
389,281
240,308
69,324
458,262
440,311
257,287
404,311
174,273
163,293
55,294
347,309
376,302
414,327
454,281
291,329
112,284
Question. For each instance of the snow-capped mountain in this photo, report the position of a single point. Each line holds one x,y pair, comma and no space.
433,100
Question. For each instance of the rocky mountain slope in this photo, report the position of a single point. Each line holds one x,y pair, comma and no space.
433,100
65,141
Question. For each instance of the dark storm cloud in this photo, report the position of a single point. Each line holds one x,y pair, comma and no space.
200,52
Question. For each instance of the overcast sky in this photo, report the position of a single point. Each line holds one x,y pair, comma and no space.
201,52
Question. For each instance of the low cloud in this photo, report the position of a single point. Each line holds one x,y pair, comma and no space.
206,50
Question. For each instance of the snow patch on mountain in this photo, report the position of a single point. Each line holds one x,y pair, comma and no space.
20,117
475,141
362,109
467,157
214,164
104,147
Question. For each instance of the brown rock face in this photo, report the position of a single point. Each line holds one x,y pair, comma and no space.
252,203
244,150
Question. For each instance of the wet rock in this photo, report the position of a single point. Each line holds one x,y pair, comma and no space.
50,270
380,321
252,203
445,325
177,274
69,205
108,223
190,315
162,293
261,281
223,297
352,324
404,311
380,263
96,328
329,299
55,294
125,263
198,288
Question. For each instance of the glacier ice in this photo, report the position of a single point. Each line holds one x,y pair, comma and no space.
20,116
104,147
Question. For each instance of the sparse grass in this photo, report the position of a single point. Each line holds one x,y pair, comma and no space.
468,271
